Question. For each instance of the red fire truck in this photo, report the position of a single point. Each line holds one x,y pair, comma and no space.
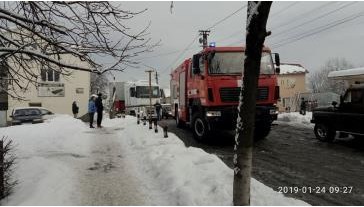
205,91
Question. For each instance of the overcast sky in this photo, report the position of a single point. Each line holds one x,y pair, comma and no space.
308,33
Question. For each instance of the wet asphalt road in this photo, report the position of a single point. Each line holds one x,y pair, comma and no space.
292,156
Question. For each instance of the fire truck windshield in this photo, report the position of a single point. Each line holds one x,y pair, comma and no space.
143,92
233,63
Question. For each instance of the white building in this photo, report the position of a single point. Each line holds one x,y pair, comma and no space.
57,92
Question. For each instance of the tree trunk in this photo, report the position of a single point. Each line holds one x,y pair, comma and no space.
256,32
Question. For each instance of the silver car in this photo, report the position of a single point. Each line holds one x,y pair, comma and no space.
23,115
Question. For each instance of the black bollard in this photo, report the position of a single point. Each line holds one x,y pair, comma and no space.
138,119
165,131
155,126
150,123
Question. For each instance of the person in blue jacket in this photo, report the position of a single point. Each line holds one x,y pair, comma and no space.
91,110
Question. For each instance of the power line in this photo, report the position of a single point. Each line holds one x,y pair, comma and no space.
209,28
306,22
314,19
235,33
318,30
227,17
282,25
160,55
180,55
214,25
240,31
285,8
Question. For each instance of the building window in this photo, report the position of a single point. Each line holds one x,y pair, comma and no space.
50,75
43,74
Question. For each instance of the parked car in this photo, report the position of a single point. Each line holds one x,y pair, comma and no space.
166,111
28,114
46,114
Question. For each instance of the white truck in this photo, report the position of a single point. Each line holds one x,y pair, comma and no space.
134,97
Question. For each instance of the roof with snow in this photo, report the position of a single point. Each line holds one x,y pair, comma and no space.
287,68
354,74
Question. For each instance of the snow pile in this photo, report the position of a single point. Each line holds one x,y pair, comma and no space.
44,180
290,68
170,173
186,176
296,119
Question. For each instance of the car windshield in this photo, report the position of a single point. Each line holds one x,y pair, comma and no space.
45,112
26,112
143,92
233,63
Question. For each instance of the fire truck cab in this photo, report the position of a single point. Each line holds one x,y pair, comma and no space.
205,91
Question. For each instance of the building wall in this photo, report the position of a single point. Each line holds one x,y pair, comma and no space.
79,80
290,85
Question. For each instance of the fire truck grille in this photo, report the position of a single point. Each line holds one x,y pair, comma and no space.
232,94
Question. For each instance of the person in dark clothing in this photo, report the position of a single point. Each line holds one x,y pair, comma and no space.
158,108
91,110
74,109
99,109
303,107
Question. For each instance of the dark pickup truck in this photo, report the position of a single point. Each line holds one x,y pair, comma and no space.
346,118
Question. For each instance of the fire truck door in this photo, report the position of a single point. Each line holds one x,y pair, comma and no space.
182,89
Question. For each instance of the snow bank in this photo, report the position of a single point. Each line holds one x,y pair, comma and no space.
171,173
186,176
296,119
45,179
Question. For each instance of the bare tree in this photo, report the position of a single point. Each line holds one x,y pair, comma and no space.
319,81
256,32
99,83
39,34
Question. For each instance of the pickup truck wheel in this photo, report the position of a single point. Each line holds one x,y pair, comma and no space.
324,133
200,128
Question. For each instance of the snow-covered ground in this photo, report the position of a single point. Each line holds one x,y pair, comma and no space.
63,162
296,119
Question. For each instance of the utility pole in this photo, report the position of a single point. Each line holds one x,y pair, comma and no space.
156,77
203,40
150,91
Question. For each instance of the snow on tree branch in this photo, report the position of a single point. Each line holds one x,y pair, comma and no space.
39,35
252,10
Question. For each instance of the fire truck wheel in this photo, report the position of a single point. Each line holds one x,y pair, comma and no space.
261,131
200,128
179,123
